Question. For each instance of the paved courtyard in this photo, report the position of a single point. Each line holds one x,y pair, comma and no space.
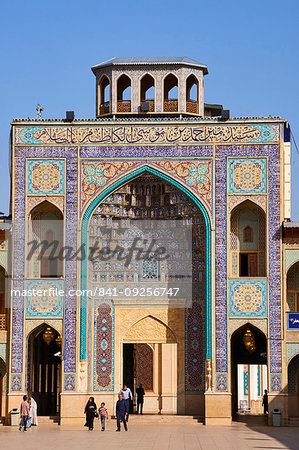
150,436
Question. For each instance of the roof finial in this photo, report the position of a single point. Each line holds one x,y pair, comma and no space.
39,110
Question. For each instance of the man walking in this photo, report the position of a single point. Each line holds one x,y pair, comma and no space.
140,395
121,412
265,402
24,409
126,395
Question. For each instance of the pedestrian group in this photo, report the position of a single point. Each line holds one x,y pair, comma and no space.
122,409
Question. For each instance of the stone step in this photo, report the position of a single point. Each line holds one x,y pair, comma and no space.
48,419
294,421
164,418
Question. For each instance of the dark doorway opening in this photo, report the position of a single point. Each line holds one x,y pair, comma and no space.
129,368
44,369
248,265
248,346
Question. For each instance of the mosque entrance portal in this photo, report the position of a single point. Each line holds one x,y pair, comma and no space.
155,367
44,369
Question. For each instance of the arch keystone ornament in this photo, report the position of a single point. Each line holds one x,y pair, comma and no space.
150,330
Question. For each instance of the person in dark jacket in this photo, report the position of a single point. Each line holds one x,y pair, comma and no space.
140,395
265,402
90,410
121,412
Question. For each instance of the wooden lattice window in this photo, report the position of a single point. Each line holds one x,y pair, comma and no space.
248,234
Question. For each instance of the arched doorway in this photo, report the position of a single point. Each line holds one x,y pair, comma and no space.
44,368
248,370
2,386
293,288
293,387
45,225
151,195
150,358
248,241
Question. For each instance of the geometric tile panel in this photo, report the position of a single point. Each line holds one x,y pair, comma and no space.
3,260
3,337
275,382
45,176
195,347
292,350
261,324
248,298
290,258
247,175
47,301
103,345
57,200
32,324
292,336
235,200
222,382
3,351
16,382
69,382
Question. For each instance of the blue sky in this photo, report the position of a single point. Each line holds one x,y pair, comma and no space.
47,49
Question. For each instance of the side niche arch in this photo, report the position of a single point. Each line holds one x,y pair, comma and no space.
45,232
192,94
118,184
248,368
171,93
293,386
147,92
3,281
3,371
44,348
248,246
124,93
104,94
293,288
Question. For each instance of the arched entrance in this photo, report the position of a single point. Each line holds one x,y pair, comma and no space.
150,358
2,393
44,368
248,370
149,194
293,386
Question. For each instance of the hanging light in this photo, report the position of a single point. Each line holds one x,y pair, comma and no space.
249,341
58,340
48,335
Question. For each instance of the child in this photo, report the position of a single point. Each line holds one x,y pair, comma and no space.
103,414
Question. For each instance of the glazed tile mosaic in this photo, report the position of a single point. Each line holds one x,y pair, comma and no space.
45,176
50,303
248,298
247,176
292,350
104,346
145,135
224,179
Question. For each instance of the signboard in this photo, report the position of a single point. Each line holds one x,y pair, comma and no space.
293,321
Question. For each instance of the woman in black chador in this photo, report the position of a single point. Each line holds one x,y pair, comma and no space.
90,411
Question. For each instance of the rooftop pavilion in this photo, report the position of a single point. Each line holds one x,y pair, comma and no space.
151,86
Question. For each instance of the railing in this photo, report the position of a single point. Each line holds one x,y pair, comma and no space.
192,106
124,106
104,108
151,105
3,321
170,105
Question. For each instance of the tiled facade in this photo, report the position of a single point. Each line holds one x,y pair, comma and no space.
218,167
